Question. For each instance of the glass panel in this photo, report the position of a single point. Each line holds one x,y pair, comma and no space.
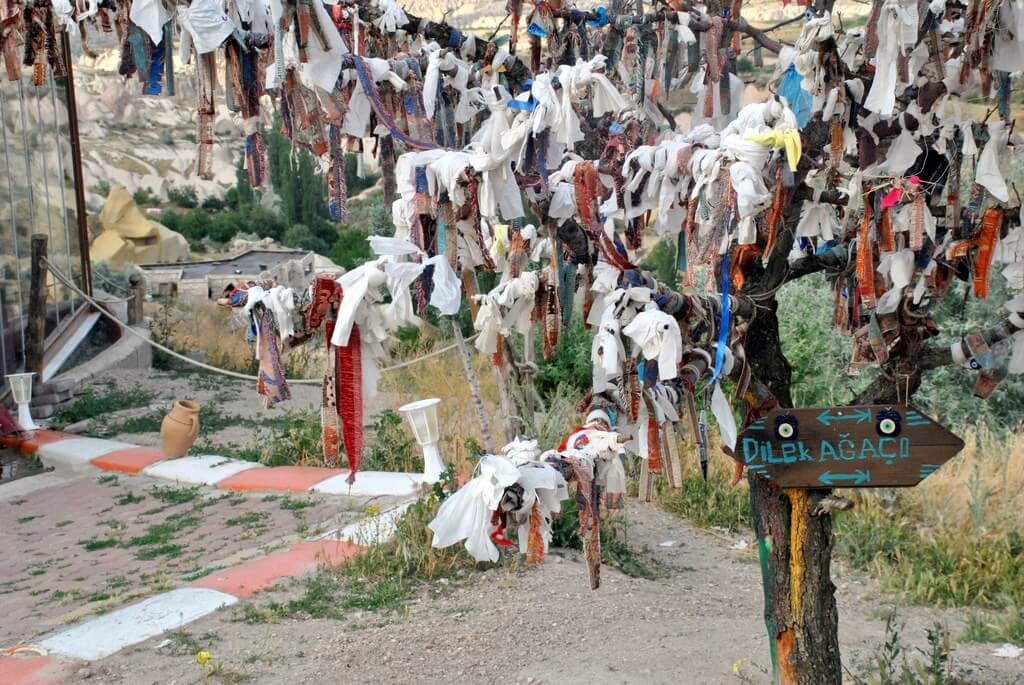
37,195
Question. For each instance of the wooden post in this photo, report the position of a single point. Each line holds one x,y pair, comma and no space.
500,377
135,313
474,386
35,333
81,212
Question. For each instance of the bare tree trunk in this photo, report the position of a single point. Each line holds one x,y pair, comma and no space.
474,386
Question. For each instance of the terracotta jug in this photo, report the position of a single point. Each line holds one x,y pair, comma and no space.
179,428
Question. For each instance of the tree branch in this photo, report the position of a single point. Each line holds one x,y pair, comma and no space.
833,260
934,358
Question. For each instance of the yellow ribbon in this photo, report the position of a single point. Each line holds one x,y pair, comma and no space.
788,139
501,240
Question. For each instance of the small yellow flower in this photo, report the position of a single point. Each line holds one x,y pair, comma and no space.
372,510
202,657
737,666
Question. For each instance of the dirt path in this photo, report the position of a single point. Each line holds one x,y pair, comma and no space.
698,622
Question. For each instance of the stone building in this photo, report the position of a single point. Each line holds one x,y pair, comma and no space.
206,280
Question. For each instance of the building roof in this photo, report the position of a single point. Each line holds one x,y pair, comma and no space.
248,262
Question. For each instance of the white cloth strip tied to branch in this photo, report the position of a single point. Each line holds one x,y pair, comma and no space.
505,309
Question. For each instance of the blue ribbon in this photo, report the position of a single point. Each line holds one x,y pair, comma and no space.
723,324
826,246
524,106
602,18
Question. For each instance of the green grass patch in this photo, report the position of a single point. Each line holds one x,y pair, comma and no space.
117,583
167,550
948,566
295,441
98,543
249,520
162,533
319,599
147,423
1007,626
214,420
103,401
172,495
231,450
295,504
711,503
382,578
26,519
201,573
892,663
108,479
615,548
129,498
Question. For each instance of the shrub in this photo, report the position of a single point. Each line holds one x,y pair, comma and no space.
392,447
214,204
185,197
145,197
662,262
570,363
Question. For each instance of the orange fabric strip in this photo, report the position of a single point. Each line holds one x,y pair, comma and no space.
986,243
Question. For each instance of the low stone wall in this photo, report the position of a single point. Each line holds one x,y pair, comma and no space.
130,352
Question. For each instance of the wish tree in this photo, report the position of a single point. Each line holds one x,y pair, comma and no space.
552,156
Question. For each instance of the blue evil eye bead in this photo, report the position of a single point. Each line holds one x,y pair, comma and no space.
888,423
975,364
786,428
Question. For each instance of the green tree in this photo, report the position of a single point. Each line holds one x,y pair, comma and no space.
243,192
350,249
301,237
662,262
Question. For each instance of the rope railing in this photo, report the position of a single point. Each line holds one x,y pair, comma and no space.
60,276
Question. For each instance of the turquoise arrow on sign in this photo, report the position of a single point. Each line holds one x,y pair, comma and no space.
858,477
829,416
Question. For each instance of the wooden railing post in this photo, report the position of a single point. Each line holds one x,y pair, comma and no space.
35,333
135,313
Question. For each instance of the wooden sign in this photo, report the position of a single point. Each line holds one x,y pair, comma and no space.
876,446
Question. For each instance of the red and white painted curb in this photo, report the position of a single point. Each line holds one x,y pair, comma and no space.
70,452
129,625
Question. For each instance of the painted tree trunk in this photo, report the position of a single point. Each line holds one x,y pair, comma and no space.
794,546
795,549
